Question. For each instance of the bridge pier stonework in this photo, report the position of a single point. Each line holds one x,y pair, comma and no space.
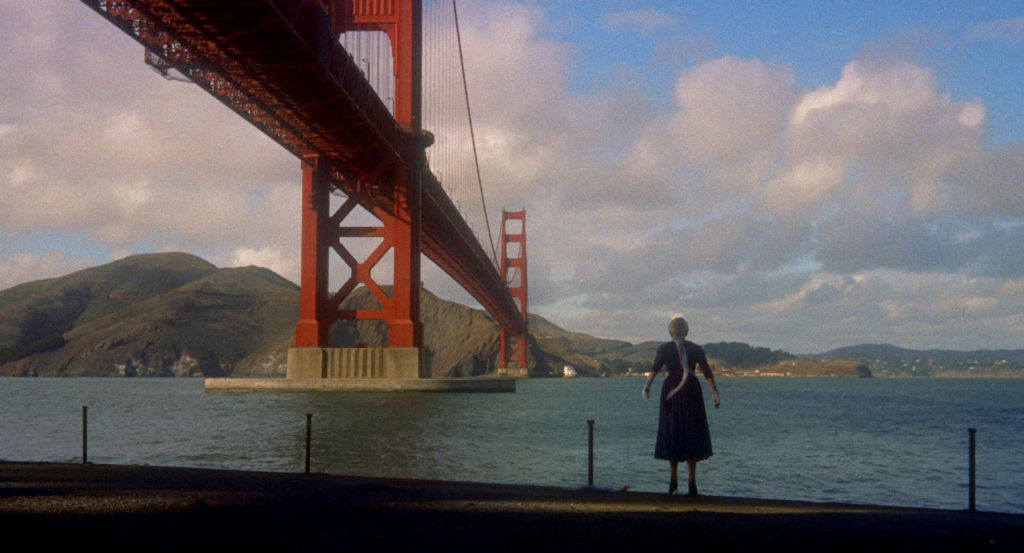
389,363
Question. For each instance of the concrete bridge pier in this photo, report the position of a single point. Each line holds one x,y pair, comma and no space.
390,369
392,363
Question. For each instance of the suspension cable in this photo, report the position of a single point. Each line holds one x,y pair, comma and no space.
472,135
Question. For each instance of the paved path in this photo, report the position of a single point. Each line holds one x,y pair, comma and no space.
72,507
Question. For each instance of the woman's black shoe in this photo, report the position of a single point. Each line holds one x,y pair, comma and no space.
693,489
672,486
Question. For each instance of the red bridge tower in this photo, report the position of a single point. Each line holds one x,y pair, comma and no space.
400,229
513,270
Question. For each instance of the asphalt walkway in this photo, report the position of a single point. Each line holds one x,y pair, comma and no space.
68,507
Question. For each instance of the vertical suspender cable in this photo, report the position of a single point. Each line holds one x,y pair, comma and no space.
472,135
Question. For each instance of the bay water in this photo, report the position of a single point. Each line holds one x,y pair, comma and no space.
885,441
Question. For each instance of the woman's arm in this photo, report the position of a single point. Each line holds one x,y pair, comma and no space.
655,368
702,362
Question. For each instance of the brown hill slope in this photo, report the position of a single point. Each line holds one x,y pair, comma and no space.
203,326
177,315
38,310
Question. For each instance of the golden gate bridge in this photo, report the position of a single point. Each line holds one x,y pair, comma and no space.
371,96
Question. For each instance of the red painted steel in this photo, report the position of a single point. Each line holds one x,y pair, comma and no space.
312,329
401,224
278,64
513,270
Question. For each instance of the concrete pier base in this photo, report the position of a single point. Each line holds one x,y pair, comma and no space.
390,363
359,370
474,385
513,372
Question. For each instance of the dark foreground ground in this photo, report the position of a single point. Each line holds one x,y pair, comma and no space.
72,507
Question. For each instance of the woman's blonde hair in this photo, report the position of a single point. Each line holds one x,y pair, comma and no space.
678,328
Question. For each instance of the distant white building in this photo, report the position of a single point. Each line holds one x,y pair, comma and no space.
568,371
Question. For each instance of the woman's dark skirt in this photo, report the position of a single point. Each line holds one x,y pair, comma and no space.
683,423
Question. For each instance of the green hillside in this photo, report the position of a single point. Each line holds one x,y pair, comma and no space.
175,314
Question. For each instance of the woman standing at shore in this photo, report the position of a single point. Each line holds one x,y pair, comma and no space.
683,433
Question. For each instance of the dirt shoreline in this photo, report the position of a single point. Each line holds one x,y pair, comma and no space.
54,506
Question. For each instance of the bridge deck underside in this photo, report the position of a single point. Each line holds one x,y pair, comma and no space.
277,64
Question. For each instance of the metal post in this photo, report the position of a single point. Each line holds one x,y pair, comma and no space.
309,426
85,434
970,464
590,453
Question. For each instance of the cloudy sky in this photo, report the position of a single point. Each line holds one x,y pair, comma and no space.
797,175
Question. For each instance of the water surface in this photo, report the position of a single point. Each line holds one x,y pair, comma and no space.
882,441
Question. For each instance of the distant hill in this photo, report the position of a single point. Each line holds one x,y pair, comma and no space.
174,314
845,368
601,357
35,315
588,355
743,356
889,360
154,314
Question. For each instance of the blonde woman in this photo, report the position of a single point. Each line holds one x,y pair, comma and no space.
683,433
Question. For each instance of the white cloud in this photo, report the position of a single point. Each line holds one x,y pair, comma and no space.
269,258
900,88
804,185
972,114
724,135
714,203
730,109
164,165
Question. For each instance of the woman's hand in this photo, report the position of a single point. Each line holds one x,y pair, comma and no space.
646,392
714,398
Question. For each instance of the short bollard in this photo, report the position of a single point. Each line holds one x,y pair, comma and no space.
971,506
85,434
590,452
309,427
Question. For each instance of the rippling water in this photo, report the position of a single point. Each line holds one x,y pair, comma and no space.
883,441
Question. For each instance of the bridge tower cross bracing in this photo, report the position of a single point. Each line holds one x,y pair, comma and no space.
513,270
400,232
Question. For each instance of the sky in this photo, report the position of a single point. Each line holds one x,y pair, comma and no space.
795,175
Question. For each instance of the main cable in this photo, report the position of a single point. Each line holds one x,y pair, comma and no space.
472,135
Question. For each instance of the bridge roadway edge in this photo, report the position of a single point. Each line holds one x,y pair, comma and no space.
64,506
